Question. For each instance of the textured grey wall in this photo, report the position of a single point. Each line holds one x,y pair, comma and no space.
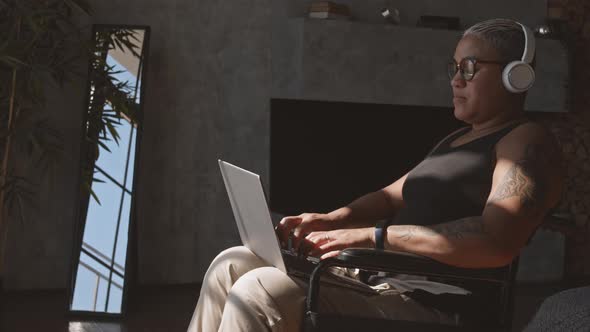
530,12
386,64
208,91
39,250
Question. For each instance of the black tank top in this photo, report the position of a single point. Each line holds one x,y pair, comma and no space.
451,182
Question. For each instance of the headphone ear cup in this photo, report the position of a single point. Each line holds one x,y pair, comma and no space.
518,76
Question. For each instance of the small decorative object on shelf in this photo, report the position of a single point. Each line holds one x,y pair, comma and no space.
439,22
542,30
552,29
328,10
555,10
390,15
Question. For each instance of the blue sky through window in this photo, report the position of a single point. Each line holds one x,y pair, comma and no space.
101,219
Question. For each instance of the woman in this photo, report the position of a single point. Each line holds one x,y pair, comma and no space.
473,202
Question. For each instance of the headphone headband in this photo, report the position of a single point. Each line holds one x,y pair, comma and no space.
529,44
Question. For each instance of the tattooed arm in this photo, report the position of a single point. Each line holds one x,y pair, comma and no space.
527,182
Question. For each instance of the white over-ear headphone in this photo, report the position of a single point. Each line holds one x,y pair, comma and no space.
519,76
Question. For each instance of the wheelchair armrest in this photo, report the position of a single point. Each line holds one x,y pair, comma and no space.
399,262
408,263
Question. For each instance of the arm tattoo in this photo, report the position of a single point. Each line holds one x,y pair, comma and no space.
407,232
460,228
526,178
517,182
457,229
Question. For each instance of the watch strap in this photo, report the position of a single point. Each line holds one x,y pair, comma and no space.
380,233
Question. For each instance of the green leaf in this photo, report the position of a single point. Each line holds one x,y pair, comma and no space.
82,5
19,195
97,180
12,61
104,146
88,188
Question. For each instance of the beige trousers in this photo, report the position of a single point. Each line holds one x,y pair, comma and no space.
242,293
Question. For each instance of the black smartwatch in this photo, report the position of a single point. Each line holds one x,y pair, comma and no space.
381,234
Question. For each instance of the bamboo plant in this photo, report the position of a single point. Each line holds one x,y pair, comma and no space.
41,44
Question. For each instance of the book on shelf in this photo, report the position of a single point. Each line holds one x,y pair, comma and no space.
329,7
316,4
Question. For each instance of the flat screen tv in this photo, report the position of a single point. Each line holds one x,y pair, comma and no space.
323,155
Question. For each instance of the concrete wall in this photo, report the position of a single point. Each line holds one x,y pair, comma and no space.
531,12
39,249
361,62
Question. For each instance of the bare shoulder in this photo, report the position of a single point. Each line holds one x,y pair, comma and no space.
529,158
530,141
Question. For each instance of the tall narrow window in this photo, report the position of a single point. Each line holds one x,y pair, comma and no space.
108,167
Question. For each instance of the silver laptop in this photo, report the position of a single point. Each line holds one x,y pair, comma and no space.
254,222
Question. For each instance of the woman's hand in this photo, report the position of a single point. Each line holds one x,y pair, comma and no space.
329,243
302,225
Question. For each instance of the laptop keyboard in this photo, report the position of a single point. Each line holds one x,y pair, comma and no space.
301,265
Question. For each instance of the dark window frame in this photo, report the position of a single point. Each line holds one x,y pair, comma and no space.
84,197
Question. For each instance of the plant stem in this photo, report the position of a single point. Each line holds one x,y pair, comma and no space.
3,214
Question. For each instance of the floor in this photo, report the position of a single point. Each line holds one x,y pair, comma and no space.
165,309
154,309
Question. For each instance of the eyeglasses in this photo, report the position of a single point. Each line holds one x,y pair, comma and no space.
467,67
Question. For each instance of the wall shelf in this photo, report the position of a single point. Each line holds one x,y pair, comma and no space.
353,61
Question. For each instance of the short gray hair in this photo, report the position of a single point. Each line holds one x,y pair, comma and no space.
504,35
